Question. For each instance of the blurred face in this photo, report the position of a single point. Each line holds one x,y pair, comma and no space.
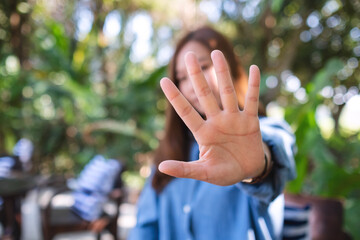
206,65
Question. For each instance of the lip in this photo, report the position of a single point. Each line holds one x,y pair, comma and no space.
194,99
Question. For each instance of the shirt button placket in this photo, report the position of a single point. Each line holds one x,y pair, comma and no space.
187,211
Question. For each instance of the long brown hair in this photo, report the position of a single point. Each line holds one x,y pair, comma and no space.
175,144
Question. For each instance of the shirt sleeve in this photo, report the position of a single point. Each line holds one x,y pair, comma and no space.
147,217
281,142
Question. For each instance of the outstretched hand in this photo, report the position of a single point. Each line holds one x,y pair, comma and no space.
229,139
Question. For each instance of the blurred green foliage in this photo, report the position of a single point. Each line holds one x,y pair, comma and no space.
76,90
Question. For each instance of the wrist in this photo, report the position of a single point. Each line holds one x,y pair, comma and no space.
267,169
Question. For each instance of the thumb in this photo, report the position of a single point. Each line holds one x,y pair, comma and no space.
194,170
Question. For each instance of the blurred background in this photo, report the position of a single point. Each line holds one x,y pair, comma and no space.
80,78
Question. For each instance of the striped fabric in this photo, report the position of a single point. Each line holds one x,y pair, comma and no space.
6,164
94,183
23,149
296,223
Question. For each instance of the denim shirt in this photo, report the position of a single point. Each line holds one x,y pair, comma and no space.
192,209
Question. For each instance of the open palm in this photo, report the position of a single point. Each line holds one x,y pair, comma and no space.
229,139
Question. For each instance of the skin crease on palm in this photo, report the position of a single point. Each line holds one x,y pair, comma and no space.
230,143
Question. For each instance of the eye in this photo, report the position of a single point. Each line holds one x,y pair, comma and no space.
182,78
205,67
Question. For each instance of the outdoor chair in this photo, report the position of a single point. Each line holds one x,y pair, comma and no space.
318,218
56,220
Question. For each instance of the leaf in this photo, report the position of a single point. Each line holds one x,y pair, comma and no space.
263,87
324,76
276,5
333,65
296,185
114,126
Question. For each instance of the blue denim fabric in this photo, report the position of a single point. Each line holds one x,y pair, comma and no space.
191,209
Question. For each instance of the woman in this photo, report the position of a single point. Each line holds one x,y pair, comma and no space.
231,166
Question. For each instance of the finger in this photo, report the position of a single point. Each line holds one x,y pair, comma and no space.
226,86
187,113
201,87
252,95
194,170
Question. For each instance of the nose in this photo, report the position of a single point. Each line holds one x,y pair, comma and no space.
189,86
